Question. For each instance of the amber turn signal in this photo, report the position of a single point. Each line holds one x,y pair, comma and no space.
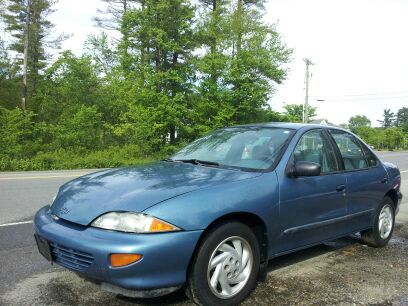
161,226
121,260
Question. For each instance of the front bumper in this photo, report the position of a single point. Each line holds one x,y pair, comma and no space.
166,256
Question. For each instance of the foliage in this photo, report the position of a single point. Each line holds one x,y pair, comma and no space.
243,58
111,17
388,119
295,112
102,52
402,119
383,138
32,16
15,132
68,159
179,69
358,121
392,135
9,83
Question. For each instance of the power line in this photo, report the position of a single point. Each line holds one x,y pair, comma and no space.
365,94
368,99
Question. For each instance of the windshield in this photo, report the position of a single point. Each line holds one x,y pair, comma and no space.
243,147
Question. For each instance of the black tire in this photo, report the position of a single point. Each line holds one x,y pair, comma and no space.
198,288
372,236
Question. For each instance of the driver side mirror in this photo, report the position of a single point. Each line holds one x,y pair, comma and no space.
305,168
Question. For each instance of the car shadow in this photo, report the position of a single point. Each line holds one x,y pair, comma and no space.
280,262
177,297
305,254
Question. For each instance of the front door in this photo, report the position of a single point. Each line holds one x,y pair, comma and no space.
311,208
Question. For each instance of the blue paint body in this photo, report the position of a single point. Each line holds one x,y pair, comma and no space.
296,212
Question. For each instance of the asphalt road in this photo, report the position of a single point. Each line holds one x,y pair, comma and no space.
329,274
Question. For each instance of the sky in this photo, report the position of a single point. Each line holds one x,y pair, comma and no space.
359,49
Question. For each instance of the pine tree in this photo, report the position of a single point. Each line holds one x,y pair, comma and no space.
388,119
257,61
211,109
9,84
402,119
27,22
111,17
161,42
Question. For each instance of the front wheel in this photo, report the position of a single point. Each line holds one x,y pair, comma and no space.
383,226
225,268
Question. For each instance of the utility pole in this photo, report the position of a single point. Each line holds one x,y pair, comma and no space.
308,62
25,61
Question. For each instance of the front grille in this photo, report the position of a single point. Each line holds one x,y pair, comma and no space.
70,258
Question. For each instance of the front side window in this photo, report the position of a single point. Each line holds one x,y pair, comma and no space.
314,147
350,150
241,147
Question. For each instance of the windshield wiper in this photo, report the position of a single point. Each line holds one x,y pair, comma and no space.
168,160
200,162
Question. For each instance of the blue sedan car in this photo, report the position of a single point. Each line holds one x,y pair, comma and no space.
209,218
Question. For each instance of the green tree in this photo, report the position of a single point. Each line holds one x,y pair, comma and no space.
402,119
388,119
257,61
102,52
358,121
211,107
15,132
28,23
9,82
69,83
111,17
393,138
162,43
295,112
179,69
84,129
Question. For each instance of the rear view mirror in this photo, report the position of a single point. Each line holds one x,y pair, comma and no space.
306,168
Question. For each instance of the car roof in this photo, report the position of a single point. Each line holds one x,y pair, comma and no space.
288,125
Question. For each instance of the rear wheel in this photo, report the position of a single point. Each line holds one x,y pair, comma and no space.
225,268
383,226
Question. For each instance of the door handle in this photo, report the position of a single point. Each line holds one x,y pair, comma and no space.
384,180
341,188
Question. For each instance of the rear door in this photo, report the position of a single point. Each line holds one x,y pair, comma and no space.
312,207
366,178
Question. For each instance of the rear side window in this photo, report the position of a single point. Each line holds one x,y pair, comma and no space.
314,147
350,150
371,158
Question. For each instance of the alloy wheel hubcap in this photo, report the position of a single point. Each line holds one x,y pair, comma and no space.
385,221
230,267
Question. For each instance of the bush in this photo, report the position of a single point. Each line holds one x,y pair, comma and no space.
63,159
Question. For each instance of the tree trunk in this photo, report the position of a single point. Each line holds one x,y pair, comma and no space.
25,63
172,133
213,46
240,7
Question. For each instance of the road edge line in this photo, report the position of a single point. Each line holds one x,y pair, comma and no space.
16,223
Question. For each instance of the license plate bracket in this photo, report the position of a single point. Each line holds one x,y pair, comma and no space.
43,247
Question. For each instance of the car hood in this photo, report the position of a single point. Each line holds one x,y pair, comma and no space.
135,188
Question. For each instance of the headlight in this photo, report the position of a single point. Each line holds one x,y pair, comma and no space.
132,223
